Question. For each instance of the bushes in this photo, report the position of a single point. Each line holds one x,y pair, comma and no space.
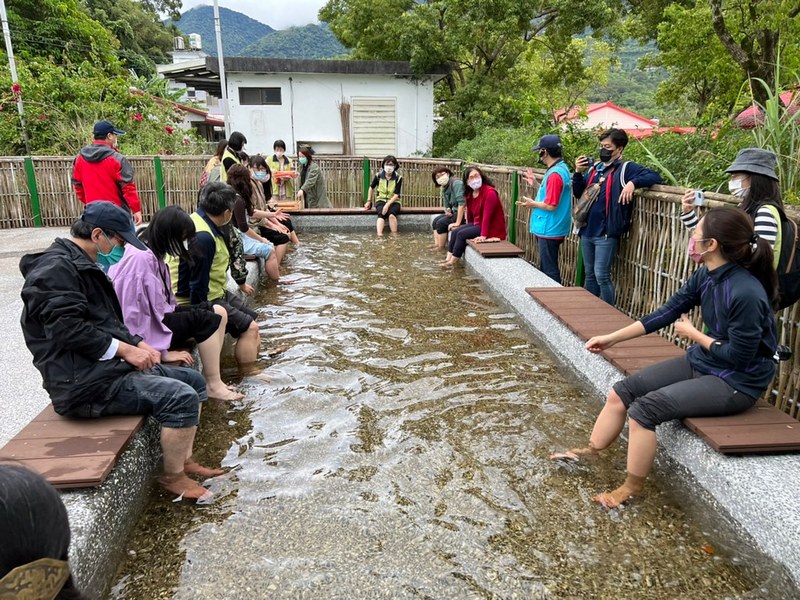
695,159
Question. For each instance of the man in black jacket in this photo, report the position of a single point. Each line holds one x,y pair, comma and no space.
90,363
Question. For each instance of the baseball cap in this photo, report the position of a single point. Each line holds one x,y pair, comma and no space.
107,215
103,128
548,142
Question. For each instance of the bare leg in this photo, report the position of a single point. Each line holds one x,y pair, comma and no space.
380,225
176,445
280,252
606,429
272,264
210,351
447,259
294,238
641,455
246,350
392,223
440,240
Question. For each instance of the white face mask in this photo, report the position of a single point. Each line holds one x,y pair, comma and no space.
443,179
735,188
279,153
186,244
389,169
475,184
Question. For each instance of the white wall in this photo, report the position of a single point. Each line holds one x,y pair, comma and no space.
316,115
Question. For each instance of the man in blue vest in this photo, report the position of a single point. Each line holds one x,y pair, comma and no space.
552,208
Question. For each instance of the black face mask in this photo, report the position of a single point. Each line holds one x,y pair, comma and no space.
605,154
541,157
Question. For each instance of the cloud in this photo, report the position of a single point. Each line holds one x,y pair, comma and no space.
278,14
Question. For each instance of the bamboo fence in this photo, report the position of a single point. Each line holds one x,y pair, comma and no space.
651,265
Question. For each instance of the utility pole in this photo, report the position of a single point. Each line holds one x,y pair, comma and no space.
222,82
14,79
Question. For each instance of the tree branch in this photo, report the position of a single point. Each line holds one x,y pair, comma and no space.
734,49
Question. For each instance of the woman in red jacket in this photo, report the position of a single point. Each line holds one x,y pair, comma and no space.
485,217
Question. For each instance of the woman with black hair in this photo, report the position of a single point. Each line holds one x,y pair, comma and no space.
277,227
754,181
35,531
280,162
454,206
144,287
723,373
233,154
487,221
243,212
312,190
385,191
213,167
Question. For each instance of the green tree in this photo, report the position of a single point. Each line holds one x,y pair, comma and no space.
61,31
63,102
144,41
482,41
702,76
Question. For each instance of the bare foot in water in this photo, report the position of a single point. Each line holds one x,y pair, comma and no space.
575,455
223,392
618,497
184,487
192,468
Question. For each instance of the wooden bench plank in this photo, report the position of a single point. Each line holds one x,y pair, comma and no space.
501,249
72,453
63,447
66,427
64,473
359,210
761,429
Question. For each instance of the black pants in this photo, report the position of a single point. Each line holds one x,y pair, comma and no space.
673,390
459,237
442,222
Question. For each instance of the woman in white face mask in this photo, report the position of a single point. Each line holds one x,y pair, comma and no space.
384,193
454,206
753,180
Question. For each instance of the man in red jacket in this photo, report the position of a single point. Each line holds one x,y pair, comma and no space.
100,172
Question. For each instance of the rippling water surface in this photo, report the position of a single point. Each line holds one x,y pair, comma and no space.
400,450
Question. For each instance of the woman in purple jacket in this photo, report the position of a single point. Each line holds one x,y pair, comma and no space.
143,285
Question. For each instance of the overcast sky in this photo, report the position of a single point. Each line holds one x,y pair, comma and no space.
278,14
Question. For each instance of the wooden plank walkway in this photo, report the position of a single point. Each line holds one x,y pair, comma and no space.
761,429
501,249
71,453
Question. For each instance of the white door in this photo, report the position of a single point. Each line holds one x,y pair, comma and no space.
374,126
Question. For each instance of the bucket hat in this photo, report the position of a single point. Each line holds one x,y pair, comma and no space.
755,160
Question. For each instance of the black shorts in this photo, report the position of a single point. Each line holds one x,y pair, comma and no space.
276,237
441,224
191,324
394,209
239,315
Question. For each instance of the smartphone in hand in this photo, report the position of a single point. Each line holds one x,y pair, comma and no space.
699,198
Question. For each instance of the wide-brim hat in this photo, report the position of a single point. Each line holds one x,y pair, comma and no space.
755,160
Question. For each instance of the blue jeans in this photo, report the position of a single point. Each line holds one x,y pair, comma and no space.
172,395
548,253
598,258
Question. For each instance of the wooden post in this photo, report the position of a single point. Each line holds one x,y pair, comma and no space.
35,208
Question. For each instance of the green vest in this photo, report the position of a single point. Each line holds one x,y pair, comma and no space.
385,189
218,277
223,174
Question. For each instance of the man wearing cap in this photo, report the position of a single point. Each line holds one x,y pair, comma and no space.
91,365
100,172
551,216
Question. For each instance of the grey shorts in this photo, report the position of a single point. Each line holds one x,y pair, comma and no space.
673,390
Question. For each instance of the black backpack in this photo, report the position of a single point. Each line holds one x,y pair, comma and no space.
789,265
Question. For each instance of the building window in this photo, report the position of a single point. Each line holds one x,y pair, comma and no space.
251,96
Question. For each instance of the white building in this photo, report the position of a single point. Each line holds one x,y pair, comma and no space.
298,101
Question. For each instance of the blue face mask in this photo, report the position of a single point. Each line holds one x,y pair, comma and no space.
107,260
261,175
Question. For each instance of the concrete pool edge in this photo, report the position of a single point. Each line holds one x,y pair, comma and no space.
758,493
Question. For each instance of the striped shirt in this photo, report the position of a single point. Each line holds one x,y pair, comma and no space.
765,224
